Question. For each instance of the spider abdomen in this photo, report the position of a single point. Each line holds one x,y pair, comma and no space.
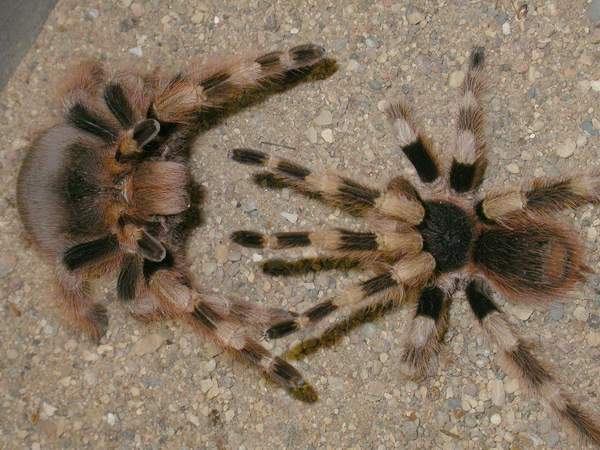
535,259
447,233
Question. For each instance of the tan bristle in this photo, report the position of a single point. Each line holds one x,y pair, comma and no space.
177,101
410,243
414,270
405,209
503,204
160,187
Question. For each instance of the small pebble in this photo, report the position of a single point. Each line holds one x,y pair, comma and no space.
234,256
324,118
506,28
521,312
414,16
556,311
522,67
552,438
327,135
456,78
497,393
353,65
511,386
111,419
47,410
193,419
148,344
581,140
271,23
311,135
513,168
290,217
137,10
205,385
375,85
594,11
595,85
198,17
566,149
581,313
496,419
136,51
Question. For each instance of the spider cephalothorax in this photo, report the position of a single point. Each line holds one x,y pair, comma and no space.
424,244
108,190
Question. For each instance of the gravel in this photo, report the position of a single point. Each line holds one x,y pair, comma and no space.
175,390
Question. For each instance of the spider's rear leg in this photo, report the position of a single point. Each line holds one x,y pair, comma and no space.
213,86
469,162
425,333
546,196
404,274
222,320
83,313
517,359
338,190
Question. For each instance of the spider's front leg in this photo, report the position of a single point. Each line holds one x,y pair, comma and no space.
395,203
211,86
546,196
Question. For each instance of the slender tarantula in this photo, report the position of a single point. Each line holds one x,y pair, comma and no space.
426,244
108,189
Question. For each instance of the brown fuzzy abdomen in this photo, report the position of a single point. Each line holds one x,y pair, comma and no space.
537,260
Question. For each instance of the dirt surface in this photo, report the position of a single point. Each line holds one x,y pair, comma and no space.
160,386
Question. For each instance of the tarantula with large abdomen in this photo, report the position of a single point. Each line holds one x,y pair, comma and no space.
108,190
426,244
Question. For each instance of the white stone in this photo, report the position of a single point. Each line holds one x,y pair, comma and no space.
456,78
595,85
193,419
506,28
522,312
496,419
311,135
148,344
511,386
566,149
293,218
327,135
497,394
593,339
111,419
136,51
581,314
205,385
414,16
324,118
513,168
47,410
198,17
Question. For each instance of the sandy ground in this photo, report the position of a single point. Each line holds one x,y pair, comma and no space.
160,386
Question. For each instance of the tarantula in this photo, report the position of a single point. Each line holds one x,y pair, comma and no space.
108,189
426,244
